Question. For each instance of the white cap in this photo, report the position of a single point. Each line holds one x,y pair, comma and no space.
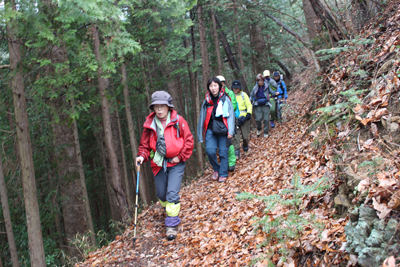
266,73
221,78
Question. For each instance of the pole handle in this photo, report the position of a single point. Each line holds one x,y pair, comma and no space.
138,167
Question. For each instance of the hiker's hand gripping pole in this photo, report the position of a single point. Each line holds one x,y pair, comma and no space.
136,203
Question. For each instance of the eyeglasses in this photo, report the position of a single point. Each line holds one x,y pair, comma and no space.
158,107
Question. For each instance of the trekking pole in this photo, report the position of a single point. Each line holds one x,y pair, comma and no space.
136,203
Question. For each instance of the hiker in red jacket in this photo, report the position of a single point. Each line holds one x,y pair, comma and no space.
168,143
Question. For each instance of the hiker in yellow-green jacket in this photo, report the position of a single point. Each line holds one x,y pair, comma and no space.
245,110
231,151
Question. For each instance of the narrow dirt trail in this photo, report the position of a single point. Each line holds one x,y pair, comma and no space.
217,229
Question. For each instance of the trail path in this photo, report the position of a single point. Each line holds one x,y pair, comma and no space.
217,229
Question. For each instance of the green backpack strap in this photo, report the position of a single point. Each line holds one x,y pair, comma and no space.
177,124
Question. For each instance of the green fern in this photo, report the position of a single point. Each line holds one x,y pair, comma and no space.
288,226
352,101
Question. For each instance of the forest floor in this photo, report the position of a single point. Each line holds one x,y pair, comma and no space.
219,230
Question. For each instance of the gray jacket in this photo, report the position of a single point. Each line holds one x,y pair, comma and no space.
272,83
253,95
203,114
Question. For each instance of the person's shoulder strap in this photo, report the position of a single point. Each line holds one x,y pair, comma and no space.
177,125
242,95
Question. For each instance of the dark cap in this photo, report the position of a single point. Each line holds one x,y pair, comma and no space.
276,73
236,84
161,98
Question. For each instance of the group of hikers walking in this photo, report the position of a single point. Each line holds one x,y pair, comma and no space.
224,120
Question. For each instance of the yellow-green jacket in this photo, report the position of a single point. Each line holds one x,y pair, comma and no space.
244,103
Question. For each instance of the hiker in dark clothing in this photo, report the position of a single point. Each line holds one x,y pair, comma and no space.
245,110
217,126
259,97
168,143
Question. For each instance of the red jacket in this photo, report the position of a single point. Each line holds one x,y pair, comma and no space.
180,147
210,108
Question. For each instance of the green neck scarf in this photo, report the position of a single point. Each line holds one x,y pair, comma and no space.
158,159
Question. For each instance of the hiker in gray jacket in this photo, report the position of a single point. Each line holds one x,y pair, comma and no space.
259,97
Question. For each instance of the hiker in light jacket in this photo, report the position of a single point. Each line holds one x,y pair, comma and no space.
231,149
217,126
168,143
245,111
274,86
259,97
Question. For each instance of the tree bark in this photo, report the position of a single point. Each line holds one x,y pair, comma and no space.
121,142
238,40
83,185
326,18
146,85
260,48
172,87
67,161
143,185
216,41
203,47
7,218
35,238
311,18
231,58
196,95
115,170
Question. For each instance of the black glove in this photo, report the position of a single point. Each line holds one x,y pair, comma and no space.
248,116
242,120
228,142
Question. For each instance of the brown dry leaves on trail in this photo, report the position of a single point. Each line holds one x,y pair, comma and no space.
217,229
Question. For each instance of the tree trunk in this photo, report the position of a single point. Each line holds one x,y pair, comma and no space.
253,56
216,41
311,19
36,248
326,18
7,218
83,186
172,87
238,40
231,58
196,96
203,47
146,85
260,48
115,170
143,185
66,158
121,143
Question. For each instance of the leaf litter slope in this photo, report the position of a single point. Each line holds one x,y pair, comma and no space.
218,230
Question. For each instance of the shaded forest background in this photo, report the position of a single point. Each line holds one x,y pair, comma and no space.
76,79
